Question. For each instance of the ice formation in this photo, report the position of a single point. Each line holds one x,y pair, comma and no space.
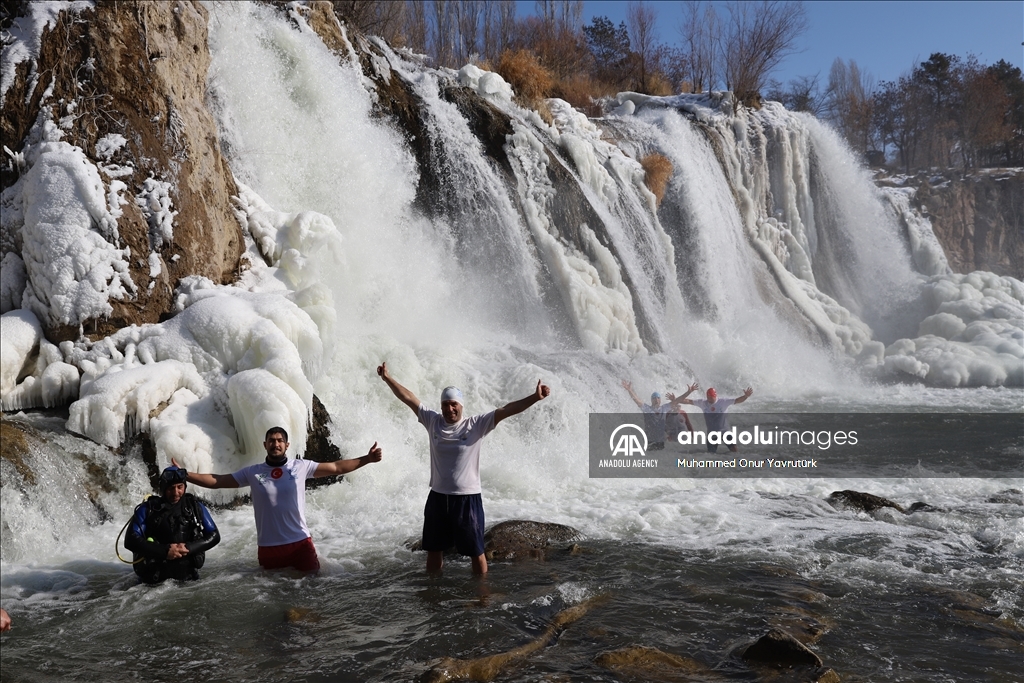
69,234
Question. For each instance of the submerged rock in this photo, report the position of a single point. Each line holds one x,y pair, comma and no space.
650,663
779,648
490,667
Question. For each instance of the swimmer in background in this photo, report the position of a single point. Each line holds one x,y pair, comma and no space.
654,416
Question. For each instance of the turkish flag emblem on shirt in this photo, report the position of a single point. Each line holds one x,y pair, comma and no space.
276,473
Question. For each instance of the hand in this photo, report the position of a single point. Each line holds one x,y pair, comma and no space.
692,388
627,385
5,620
375,454
382,370
175,462
671,397
543,391
747,392
177,550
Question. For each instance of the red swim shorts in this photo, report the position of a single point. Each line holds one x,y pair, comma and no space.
300,555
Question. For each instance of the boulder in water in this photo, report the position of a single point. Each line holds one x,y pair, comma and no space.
856,500
518,539
779,648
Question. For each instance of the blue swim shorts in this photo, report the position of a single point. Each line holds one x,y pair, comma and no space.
453,520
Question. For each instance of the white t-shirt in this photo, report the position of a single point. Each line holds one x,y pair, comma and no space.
278,500
654,420
455,451
714,413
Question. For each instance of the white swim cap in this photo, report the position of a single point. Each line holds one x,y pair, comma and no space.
451,394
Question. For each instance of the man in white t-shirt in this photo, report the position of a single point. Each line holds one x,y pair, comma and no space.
714,410
454,513
654,416
278,488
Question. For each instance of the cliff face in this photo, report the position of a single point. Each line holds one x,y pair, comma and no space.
978,219
135,70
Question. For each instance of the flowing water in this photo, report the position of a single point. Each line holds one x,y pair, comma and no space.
489,301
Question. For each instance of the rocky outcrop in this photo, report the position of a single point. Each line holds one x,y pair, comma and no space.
136,70
978,218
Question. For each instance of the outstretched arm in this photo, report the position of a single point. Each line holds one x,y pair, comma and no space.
628,386
326,469
403,394
516,407
682,399
746,394
210,481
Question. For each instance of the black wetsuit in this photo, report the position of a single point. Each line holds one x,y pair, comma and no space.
157,524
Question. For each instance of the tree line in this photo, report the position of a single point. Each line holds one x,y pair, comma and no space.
947,111
733,48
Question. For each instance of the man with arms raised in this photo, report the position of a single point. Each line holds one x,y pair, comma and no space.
714,409
278,487
454,513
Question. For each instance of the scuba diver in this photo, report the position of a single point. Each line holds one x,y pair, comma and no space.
169,534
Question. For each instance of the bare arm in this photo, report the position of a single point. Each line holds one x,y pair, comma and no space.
326,469
628,386
210,481
746,394
689,390
516,407
403,394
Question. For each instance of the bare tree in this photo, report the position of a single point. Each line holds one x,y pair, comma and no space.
757,37
416,25
850,103
375,17
699,32
443,32
640,21
466,16
803,94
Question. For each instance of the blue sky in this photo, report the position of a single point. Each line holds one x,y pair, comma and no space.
884,38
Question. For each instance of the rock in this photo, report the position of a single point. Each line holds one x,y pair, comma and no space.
319,446
1007,497
490,667
649,663
15,437
921,507
519,539
855,500
779,648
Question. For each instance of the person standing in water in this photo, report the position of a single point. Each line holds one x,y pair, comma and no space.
454,513
170,533
714,409
654,416
278,487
